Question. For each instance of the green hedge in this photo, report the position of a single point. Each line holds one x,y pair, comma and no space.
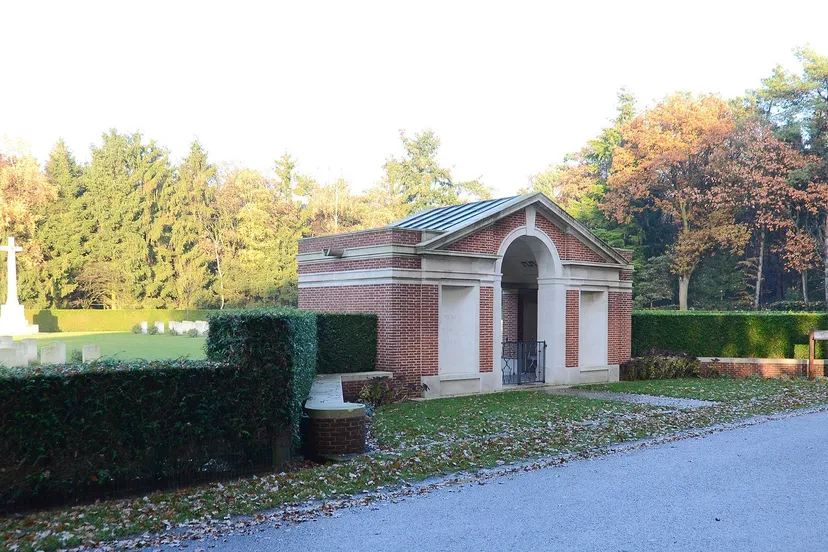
347,342
99,320
71,432
725,334
281,344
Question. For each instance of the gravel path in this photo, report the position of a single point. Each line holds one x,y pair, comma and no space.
756,488
670,402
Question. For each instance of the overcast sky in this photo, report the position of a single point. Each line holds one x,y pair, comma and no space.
509,87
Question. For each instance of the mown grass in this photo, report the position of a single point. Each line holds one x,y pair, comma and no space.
418,422
718,389
418,440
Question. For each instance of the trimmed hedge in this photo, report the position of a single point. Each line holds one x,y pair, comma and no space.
280,345
100,320
347,342
72,432
725,334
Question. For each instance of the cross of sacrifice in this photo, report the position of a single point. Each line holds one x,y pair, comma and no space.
11,270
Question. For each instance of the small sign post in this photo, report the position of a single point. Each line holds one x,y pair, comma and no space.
814,335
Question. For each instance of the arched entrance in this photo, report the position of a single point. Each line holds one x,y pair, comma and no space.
530,331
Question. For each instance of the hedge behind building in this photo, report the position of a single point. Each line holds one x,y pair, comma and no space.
347,342
725,334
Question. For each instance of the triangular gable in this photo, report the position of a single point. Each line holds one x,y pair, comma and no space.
567,233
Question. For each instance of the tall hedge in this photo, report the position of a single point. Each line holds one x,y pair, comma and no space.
347,342
78,431
280,344
99,320
724,334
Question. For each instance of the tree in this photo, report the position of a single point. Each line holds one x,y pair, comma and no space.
663,164
797,105
418,181
756,175
64,229
186,208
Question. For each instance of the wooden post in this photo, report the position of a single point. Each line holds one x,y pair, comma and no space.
810,353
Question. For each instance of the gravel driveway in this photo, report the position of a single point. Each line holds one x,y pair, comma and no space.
763,487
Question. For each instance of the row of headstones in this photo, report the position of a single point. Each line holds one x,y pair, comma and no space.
200,326
15,354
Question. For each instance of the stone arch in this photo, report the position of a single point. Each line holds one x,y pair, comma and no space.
546,254
551,323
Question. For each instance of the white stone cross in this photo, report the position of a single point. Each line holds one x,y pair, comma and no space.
11,269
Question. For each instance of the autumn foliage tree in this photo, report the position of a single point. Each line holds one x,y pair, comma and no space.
760,179
665,163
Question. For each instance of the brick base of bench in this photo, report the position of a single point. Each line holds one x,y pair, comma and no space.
336,436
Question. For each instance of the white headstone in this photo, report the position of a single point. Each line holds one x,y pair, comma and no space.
53,353
186,326
31,349
91,352
159,326
5,341
144,327
173,325
12,318
202,327
13,357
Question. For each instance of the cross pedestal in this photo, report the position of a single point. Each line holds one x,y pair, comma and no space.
12,319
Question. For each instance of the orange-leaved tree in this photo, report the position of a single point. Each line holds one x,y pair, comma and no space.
763,180
665,164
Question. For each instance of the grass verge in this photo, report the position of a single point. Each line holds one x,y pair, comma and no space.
418,440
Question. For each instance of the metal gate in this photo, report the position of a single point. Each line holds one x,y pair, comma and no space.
523,362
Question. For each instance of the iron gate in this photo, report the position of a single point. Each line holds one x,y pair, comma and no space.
523,362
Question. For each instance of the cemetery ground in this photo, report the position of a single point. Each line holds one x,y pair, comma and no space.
419,445
129,346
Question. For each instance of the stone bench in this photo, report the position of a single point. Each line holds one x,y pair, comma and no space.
335,427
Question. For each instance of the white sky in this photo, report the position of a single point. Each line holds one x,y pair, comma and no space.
509,87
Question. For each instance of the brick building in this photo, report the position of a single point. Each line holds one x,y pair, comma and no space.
473,297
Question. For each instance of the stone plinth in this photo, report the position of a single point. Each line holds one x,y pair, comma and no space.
13,321
6,341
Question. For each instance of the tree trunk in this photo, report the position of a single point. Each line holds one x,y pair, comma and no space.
759,268
684,284
220,273
805,286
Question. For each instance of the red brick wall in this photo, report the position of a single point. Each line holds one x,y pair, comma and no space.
509,308
626,275
767,368
359,264
569,247
486,328
620,331
488,239
380,236
573,322
333,436
407,318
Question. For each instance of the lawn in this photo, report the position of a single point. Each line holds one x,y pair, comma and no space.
127,345
416,440
720,389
